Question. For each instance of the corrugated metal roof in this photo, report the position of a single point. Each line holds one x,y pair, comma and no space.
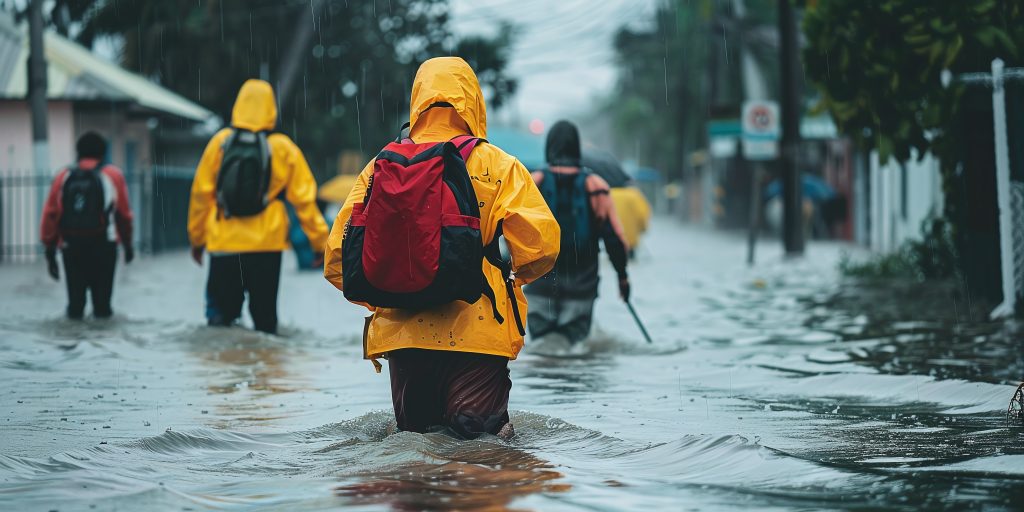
75,73
10,46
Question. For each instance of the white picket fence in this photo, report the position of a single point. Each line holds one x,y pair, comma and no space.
1017,207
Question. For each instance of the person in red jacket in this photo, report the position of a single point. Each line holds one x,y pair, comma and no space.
86,214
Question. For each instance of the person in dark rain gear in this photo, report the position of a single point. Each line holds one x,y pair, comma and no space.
564,298
448,361
86,214
237,212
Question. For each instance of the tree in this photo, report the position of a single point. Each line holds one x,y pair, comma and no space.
654,110
878,68
877,64
679,71
489,58
342,69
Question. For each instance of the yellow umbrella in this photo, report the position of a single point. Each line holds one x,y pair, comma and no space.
634,213
336,189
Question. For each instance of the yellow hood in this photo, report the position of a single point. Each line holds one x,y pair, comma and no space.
449,80
255,108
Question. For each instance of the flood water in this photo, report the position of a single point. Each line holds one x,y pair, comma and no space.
777,387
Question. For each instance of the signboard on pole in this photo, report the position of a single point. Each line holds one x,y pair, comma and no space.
760,130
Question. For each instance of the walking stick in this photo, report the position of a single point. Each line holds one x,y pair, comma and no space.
638,322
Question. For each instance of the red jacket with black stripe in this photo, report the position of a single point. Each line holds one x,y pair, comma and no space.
115,195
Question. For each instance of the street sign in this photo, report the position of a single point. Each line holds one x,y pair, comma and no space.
760,130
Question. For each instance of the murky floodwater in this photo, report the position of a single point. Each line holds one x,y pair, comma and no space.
772,387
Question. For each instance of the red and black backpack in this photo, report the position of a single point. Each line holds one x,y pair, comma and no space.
84,209
414,242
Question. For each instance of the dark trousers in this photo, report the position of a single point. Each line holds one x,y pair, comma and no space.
232,277
89,266
569,317
464,392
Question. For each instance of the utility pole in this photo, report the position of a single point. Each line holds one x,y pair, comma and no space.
792,184
37,88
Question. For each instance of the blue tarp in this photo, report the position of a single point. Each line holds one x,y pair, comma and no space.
814,188
525,146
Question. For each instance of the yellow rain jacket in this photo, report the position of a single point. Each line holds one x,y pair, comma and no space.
634,213
505,191
290,179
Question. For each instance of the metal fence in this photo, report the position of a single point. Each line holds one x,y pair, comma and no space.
159,198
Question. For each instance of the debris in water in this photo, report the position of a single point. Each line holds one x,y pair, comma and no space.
1016,408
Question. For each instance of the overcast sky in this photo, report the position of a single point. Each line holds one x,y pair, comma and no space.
563,54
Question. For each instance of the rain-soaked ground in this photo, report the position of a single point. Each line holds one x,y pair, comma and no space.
774,387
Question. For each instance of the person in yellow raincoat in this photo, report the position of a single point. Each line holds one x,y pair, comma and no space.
449,365
245,250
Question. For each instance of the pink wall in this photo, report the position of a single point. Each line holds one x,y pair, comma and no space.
16,136
21,199
23,190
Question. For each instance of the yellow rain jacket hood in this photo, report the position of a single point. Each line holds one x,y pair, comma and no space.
447,102
290,180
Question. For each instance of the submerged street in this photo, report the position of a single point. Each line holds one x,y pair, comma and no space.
779,386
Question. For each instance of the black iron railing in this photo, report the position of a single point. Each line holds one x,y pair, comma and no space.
159,197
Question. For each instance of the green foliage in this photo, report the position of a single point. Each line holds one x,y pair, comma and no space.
655,110
350,63
932,257
681,70
489,57
877,64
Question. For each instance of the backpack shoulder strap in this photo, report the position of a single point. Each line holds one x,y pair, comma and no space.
265,156
466,144
224,146
402,138
549,188
492,252
582,177
69,171
580,185
230,139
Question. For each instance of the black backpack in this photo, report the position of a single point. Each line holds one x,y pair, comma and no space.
570,207
244,175
83,204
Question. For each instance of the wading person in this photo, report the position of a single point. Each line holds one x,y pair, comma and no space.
417,243
563,300
237,212
85,215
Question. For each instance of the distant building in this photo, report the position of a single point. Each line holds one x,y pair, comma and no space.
86,93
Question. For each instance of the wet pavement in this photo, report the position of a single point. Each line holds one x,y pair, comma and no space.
777,387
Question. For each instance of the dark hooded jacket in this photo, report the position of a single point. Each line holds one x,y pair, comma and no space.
575,273
562,147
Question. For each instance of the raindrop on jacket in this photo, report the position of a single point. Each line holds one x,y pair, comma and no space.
290,179
505,191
